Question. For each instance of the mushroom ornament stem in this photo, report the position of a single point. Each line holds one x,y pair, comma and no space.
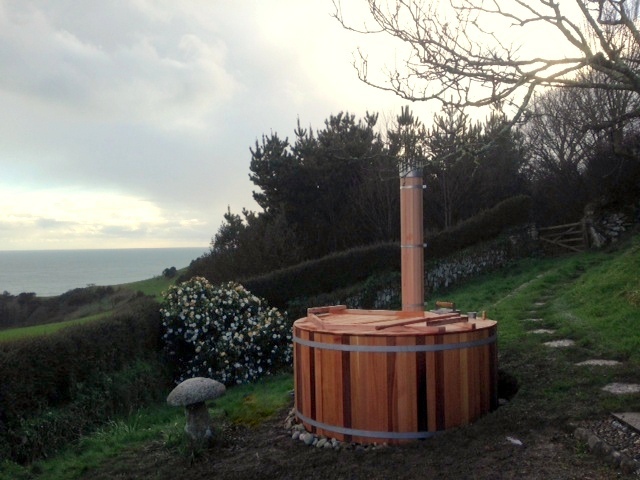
198,425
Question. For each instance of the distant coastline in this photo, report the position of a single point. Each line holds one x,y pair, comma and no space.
53,272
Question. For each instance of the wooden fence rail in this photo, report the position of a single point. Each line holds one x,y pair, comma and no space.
571,236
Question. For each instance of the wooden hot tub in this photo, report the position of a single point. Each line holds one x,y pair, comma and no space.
385,376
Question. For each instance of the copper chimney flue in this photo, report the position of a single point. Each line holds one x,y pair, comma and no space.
412,240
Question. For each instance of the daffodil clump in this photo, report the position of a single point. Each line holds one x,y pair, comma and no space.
223,332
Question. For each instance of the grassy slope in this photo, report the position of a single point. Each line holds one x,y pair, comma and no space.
48,328
246,404
153,286
591,298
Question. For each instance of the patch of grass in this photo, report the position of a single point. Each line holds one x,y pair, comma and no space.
48,328
487,291
146,425
153,286
596,307
633,297
245,405
252,404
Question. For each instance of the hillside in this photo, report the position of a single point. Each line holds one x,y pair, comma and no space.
588,302
27,315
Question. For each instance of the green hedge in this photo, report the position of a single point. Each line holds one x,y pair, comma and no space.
485,226
106,397
376,292
348,268
54,387
325,274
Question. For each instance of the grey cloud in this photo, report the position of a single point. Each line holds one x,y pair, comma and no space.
49,223
160,100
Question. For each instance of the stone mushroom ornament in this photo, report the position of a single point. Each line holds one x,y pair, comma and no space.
192,395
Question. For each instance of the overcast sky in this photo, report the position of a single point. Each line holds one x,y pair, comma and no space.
128,123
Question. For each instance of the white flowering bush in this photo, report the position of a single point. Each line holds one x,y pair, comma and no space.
223,332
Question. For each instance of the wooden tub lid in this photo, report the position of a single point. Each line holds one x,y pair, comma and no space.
342,320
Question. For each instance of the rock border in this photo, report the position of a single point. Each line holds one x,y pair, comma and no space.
299,433
601,448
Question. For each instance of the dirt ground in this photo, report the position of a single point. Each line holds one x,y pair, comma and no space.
479,451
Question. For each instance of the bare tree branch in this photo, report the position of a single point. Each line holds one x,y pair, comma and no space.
471,53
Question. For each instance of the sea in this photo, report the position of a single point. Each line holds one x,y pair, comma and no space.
53,272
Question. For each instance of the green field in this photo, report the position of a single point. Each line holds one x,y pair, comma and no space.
46,329
153,287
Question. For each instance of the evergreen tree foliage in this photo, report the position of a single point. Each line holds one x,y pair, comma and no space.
337,188
470,166
326,182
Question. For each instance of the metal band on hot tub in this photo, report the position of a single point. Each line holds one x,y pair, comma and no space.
364,433
395,348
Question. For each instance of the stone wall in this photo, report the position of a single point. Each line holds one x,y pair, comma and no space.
452,270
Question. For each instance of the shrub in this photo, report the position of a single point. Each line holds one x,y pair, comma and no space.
84,296
223,332
344,269
380,291
485,226
104,397
169,272
326,274
59,386
384,291
55,363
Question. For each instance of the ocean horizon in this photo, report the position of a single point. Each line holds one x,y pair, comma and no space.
53,272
